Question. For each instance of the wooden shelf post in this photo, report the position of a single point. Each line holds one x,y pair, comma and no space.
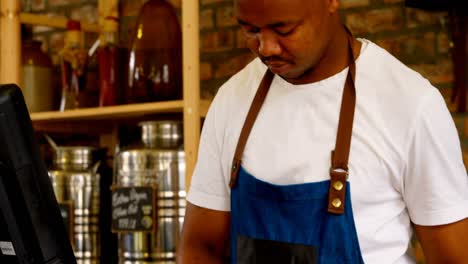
191,82
10,45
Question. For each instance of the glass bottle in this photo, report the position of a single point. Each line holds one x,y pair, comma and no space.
110,62
73,61
155,57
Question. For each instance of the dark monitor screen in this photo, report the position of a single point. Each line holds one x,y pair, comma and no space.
32,230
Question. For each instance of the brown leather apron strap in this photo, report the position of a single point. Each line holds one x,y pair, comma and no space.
340,156
248,124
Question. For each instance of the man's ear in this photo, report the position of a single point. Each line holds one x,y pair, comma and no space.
333,6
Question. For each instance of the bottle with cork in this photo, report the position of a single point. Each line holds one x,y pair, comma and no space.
110,62
73,61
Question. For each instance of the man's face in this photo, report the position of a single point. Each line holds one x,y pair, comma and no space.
289,36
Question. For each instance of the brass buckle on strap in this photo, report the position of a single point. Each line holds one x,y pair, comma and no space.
337,191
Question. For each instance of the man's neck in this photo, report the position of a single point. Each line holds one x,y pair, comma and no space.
335,59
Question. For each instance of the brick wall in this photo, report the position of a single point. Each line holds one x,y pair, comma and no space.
418,38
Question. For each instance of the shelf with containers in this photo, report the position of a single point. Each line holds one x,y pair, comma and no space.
85,119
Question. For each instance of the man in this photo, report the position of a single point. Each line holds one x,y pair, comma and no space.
342,153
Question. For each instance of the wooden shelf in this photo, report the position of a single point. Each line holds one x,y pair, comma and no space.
108,112
55,22
73,120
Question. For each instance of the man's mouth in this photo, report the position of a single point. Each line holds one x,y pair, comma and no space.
278,67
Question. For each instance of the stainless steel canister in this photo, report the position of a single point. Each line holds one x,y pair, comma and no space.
74,158
160,162
76,183
162,134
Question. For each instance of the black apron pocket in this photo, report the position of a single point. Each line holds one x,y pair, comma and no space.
259,251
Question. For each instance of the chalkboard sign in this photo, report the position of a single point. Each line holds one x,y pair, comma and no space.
134,209
66,210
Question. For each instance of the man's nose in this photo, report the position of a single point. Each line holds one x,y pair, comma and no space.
268,44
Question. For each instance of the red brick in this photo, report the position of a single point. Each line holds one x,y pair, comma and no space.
233,65
206,19
240,39
206,71
353,3
452,106
392,45
419,46
410,46
87,13
446,93
465,157
439,73
459,121
221,40
225,39
225,16
417,17
388,19
38,5
444,43
208,41
465,127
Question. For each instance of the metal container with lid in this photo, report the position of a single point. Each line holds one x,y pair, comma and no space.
161,134
160,161
78,158
77,187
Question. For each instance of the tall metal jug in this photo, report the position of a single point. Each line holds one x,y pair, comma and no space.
76,185
159,162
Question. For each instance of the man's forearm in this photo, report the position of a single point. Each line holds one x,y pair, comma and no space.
444,243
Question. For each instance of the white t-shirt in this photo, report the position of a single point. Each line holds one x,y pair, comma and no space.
405,160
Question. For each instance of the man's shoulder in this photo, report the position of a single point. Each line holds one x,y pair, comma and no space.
393,92
389,75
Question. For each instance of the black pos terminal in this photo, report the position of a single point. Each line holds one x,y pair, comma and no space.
32,230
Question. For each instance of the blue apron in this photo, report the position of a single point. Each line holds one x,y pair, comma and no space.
294,224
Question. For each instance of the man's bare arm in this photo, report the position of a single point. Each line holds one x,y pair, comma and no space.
205,236
446,244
